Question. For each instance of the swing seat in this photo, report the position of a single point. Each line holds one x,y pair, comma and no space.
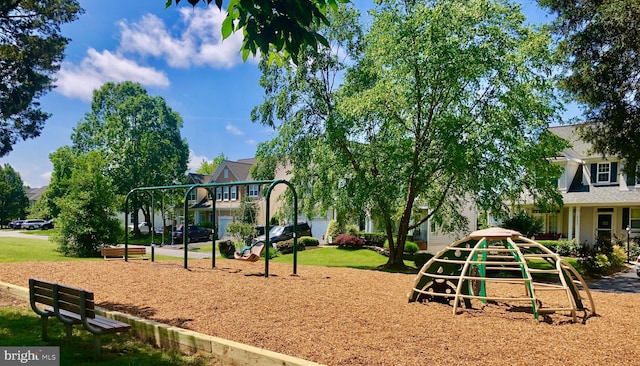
251,255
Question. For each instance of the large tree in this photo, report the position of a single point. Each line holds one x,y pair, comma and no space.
272,26
139,136
448,103
31,49
13,200
601,41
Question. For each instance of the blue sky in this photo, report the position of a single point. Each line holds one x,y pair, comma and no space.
175,53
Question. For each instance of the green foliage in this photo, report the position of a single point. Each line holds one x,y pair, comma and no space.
566,248
421,258
271,251
374,239
348,241
272,26
308,241
241,231
139,136
411,247
600,43
286,247
13,200
484,80
87,219
247,211
333,230
31,49
352,229
524,223
208,167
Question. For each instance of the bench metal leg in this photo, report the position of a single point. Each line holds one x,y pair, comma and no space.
68,328
96,347
45,322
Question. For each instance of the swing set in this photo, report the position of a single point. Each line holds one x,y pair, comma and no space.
255,251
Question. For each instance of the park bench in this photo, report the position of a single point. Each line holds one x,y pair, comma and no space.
118,252
71,306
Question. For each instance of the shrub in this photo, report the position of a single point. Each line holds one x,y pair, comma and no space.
566,248
227,248
373,239
617,258
348,241
352,229
410,247
421,258
207,224
286,247
308,241
333,230
524,223
273,252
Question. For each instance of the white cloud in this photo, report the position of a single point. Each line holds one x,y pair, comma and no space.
46,176
233,130
98,68
199,43
251,142
195,161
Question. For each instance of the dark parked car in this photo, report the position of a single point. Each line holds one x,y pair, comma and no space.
285,232
47,225
16,224
194,233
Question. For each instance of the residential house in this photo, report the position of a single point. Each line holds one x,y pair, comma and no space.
600,200
34,194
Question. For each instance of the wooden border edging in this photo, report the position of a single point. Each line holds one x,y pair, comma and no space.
169,337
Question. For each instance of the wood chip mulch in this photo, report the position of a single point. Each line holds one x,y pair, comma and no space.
343,316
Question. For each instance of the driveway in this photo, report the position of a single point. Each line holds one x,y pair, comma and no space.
626,282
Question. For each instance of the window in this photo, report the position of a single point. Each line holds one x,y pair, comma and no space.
219,194
234,193
192,195
634,218
225,193
552,223
253,190
603,172
226,173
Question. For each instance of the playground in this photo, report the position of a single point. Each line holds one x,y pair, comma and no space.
343,316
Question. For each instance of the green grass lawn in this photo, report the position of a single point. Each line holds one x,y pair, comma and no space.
29,250
20,326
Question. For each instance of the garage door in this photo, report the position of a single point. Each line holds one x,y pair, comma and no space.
223,221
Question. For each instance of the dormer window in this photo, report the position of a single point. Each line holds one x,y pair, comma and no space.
192,195
226,173
604,172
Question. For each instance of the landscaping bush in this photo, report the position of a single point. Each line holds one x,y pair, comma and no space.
273,252
227,248
333,230
526,224
373,239
617,258
566,248
352,230
286,247
421,258
411,247
309,241
348,241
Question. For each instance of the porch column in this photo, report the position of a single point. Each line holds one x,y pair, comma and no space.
578,210
570,233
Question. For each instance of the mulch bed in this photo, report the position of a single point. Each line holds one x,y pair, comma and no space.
342,316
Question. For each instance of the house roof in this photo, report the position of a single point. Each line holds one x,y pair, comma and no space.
579,149
602,195
34,194
196,178
240,169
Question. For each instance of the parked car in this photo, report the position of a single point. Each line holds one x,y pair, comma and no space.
144,227
32,224
638,266
284,232
194,233
47,225
16,224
